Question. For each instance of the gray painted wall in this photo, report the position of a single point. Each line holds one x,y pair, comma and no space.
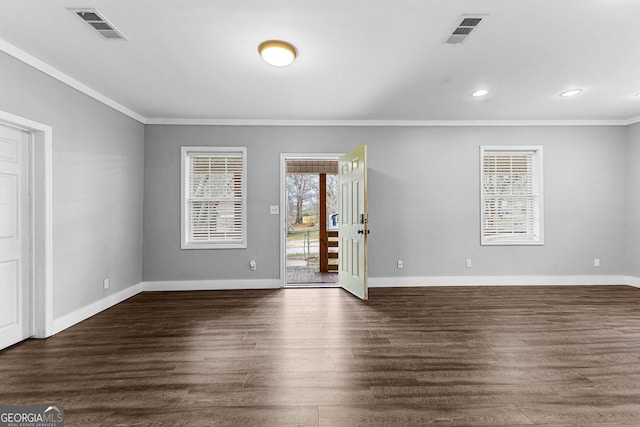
424,195
98,166
423,199
633,200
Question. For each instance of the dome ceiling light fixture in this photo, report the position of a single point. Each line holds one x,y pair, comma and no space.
277,52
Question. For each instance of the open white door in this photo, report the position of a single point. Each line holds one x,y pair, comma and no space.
353,231
14,235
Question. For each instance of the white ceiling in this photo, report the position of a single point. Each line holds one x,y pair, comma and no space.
358,59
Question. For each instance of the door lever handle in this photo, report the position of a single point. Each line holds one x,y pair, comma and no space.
363,232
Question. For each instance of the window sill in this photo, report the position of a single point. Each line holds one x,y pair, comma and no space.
213,246
505,242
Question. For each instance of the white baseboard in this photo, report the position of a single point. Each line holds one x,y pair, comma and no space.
633,281
92,309
211,285
390,282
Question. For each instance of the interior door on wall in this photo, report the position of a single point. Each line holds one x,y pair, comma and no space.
353,231
14,235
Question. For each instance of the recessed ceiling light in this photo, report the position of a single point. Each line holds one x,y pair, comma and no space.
481,92
277,52
638,94
570,92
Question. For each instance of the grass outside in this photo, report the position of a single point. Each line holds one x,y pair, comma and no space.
298,234
297,240
297,245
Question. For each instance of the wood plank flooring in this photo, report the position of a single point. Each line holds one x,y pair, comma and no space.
459,356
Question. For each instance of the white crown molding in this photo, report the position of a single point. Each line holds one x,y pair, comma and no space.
36,63
28,59
632,121
383,123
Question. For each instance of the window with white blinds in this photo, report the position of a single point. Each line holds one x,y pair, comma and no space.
511,195
214,197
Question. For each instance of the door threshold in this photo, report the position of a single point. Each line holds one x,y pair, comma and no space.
312,285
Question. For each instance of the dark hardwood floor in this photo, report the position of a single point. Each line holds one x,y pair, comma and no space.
454,356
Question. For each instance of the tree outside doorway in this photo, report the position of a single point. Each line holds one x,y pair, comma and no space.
303,216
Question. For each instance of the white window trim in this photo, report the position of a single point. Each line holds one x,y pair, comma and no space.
510,240
186,244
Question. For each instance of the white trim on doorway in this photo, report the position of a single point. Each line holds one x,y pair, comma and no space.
41,295
283,200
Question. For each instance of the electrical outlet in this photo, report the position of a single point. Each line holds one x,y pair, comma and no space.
400,264
253,265
105,284
274,210
468,263
596,262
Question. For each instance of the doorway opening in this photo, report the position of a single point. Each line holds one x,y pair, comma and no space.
310,214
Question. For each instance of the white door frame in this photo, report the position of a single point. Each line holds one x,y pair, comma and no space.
283,200
41,192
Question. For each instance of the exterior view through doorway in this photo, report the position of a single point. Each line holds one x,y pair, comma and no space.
311,221
311,233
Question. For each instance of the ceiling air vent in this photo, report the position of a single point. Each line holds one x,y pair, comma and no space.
93,18
464,27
